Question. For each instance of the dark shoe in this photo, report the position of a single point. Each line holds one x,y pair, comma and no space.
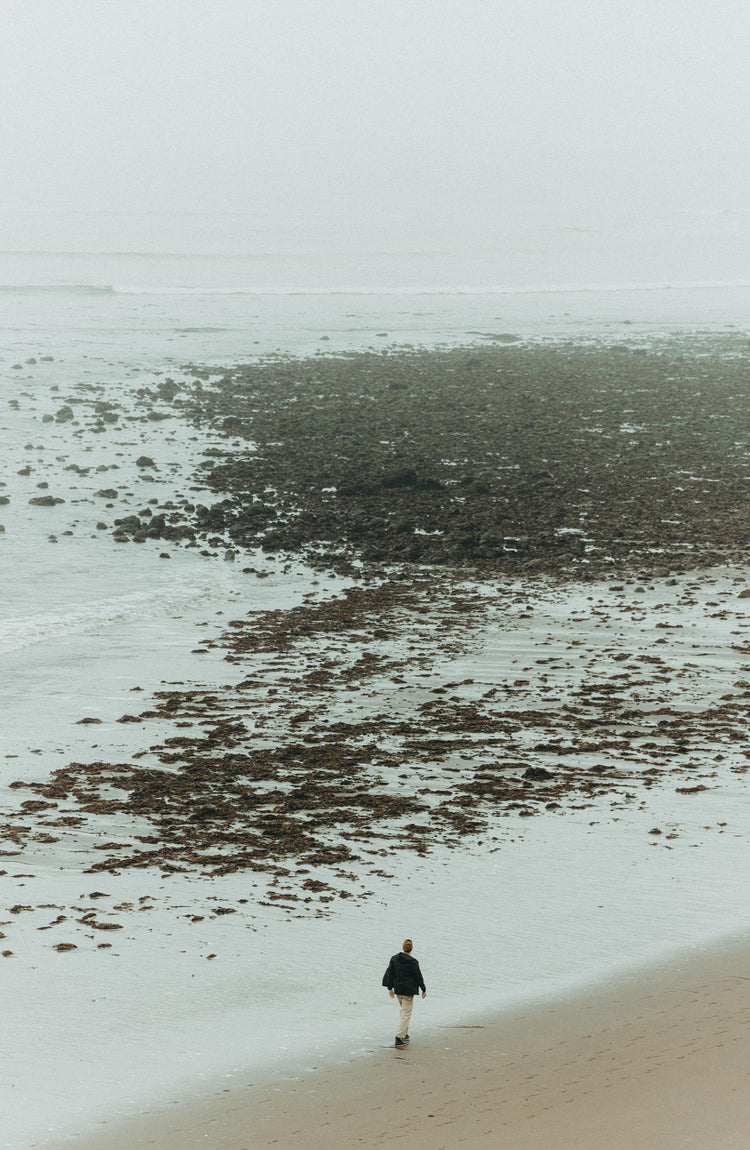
406,1039
400,1042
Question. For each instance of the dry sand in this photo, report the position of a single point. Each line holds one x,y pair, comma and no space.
658,1058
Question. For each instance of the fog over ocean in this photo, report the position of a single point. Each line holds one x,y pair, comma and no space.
296,252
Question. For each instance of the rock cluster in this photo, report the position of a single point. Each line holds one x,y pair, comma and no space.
558,459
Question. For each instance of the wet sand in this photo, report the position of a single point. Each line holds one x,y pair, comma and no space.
659,1057
573,525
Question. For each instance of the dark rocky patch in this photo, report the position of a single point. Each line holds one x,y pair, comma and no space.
559,459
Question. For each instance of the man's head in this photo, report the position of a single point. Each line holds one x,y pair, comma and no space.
407,946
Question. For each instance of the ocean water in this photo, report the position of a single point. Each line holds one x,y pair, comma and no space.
153,289
104,304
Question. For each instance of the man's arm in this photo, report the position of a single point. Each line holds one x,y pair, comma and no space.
421,984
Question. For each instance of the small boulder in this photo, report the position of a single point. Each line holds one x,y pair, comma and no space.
404,477
537,774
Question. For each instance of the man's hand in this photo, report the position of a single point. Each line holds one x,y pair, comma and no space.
391,994
424,994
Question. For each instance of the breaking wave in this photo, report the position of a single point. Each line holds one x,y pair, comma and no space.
58,289
24,631
363,290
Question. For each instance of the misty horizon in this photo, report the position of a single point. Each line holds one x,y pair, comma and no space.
429,112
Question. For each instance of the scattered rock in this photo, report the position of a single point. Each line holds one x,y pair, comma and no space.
537,774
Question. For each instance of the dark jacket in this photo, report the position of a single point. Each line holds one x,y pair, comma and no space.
403,975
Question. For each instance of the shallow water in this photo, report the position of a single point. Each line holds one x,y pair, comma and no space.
84,621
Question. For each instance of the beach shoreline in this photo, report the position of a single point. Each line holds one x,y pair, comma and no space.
564,734
654,1056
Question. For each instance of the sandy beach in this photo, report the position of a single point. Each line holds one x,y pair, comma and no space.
657,1058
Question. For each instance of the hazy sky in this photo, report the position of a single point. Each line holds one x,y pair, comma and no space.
562,108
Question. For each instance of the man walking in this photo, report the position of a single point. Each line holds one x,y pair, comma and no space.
403,978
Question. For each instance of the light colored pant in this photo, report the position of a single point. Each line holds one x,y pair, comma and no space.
405,1001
